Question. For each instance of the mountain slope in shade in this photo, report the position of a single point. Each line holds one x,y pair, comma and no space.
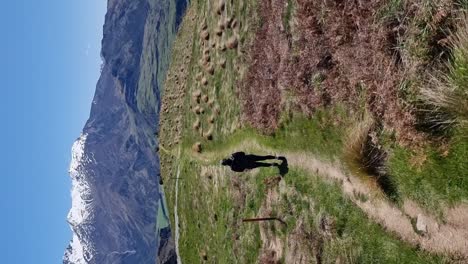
116,194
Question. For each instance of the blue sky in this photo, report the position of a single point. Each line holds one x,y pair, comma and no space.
49,69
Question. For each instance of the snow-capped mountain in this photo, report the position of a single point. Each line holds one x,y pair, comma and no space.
115,168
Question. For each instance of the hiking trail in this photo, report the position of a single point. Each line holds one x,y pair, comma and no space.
450,237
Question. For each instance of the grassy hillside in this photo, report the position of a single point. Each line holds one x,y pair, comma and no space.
368,107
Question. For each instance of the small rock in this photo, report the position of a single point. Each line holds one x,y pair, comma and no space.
421,225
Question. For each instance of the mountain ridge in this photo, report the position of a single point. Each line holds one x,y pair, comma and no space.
115,168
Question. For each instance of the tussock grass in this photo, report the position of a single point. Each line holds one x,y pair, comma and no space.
362,152
353,149
365,156
446,94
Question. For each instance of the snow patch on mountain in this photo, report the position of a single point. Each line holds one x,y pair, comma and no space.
80,209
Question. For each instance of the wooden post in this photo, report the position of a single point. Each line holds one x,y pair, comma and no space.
263,219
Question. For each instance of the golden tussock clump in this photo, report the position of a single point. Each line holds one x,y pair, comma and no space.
196,93
206,58
197,110
205,98
206,51
195,99
205,35
210,69
204,81
196,124
201,62
234,23
232,42
199,76
222,46
221,24
228,22
197,147
216,109
218,32
209,134
211,119
211,103
222,63
204,25
221,6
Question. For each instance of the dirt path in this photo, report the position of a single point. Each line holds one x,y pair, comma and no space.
450,237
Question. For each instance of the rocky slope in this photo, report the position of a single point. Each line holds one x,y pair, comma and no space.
116,194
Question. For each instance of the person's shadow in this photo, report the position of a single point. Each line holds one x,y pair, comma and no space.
283,167
240,161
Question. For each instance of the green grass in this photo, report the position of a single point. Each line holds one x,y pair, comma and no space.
441,181
463,4
443,178
287,16
202,231
358,239
322,135
392,10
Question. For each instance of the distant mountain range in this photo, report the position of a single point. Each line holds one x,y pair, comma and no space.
116,196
